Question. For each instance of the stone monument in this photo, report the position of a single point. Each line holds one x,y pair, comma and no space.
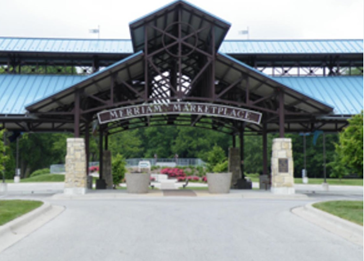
282,167
76,175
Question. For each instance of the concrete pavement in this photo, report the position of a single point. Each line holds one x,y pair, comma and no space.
181,228
258,225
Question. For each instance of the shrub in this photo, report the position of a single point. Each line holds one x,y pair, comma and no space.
193,178
40,172
94,169
181,178
118,169
215,156
173,172
204,179
221,167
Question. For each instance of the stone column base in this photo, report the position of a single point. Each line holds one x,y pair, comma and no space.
325,186
234,165
264,182
283,190
75,191
76,174
3,188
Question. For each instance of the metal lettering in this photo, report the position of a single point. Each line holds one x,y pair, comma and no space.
175,108
113,114
157,108
185,108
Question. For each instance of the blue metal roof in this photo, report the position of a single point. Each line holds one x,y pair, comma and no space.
291,46
86,79
9,44
166,16
18,90
344,94
49,45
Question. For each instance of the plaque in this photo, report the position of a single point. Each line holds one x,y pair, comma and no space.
283,165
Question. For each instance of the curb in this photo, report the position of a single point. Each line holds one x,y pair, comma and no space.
24,219
22,226
331,223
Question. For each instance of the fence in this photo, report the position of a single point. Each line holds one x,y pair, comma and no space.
178,162
60,168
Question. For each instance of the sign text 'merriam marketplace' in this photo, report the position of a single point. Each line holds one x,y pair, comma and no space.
174,108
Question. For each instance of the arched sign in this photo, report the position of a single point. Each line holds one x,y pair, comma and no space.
176,108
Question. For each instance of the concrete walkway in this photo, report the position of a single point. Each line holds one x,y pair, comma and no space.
299,203
181,228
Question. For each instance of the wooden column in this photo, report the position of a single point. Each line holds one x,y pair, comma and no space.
242,151
77,115
265,150
281,114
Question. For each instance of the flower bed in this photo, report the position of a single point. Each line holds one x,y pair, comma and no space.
173,172
93,169
193,178
180,179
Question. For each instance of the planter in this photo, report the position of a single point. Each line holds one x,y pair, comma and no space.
219,183
137,182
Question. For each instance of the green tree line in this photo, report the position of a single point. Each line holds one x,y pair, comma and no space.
40,150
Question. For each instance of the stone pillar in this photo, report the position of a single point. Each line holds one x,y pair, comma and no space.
76,175
107,173
282,167
234,165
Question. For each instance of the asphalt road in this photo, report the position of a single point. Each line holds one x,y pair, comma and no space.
177,228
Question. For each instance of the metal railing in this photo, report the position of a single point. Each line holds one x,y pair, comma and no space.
168,161
60,168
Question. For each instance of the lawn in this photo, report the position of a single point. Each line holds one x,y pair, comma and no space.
11,209
44,178
349,210
345,182
312,181
195,188
41,178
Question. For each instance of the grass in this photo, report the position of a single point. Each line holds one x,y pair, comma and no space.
41,178
195,188
11,209
44,178
344,182
349,210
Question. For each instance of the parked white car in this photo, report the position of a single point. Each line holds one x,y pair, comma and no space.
144,165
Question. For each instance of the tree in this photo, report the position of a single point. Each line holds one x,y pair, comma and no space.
127,143
215,157
3,158
350,146
118,169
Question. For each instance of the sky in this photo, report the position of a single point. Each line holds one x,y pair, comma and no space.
266,19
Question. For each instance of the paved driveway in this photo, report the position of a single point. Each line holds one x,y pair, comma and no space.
181,228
